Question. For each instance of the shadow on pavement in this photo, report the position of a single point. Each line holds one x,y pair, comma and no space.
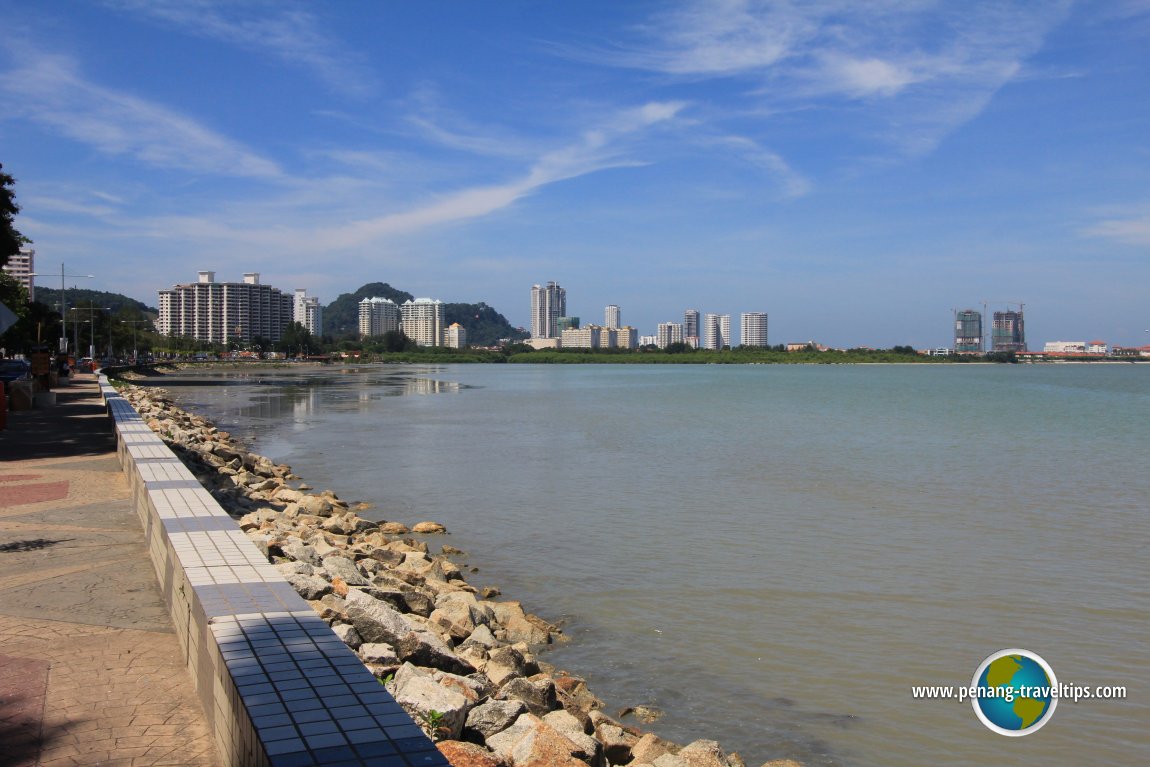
77,425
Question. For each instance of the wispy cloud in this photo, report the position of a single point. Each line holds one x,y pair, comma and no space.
285,30
792,183
922,68
1130,227
49,89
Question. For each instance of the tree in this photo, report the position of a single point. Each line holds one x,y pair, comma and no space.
10,238
295,339
396,341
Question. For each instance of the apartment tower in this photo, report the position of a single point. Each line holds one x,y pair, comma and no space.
548,304
753,329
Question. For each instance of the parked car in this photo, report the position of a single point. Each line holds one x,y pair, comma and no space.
14,370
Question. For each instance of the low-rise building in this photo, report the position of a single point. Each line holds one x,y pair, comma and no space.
455,337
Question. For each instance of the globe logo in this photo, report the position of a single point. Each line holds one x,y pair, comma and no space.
1017,692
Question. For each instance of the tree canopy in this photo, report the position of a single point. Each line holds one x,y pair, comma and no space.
10,238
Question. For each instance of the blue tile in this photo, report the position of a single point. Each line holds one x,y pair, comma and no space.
412,744
255,688
407,734
374,735
278,733
346,712
335,754
318,728
392,720
358,723
315,715
368,750
283,747
303,693
274,720
267,709
260,700
294,759
326,741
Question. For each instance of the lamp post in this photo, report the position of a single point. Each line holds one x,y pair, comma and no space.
63,304
92,319
133,323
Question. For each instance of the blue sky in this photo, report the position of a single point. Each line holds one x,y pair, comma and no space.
856,170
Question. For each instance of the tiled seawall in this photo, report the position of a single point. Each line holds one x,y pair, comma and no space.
278,687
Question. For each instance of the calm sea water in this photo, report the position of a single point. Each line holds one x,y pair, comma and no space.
774,555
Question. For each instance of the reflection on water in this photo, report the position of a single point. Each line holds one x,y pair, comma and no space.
236,397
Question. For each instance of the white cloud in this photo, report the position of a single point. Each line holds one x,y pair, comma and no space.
49,90
922,68
1129,228
283,29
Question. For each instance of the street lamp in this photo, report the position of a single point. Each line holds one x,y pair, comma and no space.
134,323
63,304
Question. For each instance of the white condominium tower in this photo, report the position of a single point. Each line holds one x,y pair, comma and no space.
548,304
421,320
668,333
22,266
753,327
377,316
716,331
611,316
219,312
308,312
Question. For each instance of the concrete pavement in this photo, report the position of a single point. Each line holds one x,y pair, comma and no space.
91,672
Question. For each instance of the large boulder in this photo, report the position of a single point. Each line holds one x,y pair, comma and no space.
424,648
703,753
650,747
531,742
433,528
342,567
420,695
538,693
518,625
315,505
376,621
309,587
493,717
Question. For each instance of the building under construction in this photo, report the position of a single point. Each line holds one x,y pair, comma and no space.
1008,333
968,331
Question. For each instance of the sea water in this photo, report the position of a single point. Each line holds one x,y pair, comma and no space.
773,555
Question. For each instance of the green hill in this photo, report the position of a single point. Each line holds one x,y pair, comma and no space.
485,326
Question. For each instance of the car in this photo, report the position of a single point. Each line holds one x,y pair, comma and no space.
14,370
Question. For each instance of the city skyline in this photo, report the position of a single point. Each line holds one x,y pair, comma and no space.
850,169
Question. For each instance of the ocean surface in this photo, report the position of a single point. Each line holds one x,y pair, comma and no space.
773,555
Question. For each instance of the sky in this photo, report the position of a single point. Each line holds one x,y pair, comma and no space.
855,170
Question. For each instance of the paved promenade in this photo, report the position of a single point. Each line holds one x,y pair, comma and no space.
90,671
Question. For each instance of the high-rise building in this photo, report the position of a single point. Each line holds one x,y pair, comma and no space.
306,310
626,337
21,266
455,337
220,312
377,316
968,331
548,304
668,333
753,329
566,323
421,320
691,327
1008,333
716,331
582,338
611,316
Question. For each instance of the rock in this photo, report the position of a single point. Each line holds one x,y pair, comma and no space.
537,693
295,568
505,664
782,763
703,753
387,556
487,592
378,652
590,750
450,550
433,528
493,717
519,626
376,621
309,586
458,617
617,742
483,637
461,754
419,695
540,745
573,694
645,714
650,747
344,568
393,528
424,648
315,505
299,551
349,636
343,524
